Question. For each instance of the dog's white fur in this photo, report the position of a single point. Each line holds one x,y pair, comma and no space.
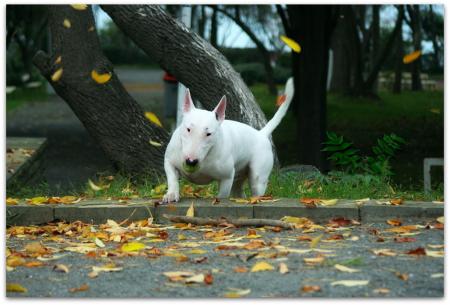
226,151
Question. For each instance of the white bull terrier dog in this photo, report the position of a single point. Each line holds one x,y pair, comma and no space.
206,147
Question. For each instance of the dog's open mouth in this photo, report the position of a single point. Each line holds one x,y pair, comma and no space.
190,168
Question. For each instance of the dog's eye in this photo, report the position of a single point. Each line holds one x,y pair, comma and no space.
189,130
208,134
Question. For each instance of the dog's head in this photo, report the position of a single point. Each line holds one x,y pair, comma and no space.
199,131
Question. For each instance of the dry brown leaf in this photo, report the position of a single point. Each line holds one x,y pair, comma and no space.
394,222
311,288
83,287
240,269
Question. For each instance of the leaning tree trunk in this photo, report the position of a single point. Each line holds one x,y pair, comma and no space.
311,26
191,59
108,112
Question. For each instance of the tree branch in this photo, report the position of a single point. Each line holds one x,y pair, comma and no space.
253,222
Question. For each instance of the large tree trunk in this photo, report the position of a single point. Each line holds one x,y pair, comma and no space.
342,54
416,27
399,53
108,112
192,60
259,45
213,32
375,40
311,26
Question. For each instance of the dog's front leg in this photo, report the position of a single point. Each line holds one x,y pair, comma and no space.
173,190
225,186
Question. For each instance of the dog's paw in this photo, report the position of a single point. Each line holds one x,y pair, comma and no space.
171,197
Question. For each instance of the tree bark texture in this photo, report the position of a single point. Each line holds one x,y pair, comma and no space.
191,59
311,26
109,113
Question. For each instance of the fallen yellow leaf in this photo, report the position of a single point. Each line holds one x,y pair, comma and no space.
190,211
283,268
350,283
291,44
236,293
153,118
262,266
14,287
12,201
434,253
132,247
329,202
440,219
95,187
315,241
100,78
345,268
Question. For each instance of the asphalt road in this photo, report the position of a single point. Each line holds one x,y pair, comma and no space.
72,155
401,275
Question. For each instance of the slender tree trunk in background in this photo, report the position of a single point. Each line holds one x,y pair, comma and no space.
191,59
436,48
201,22
342,55
375,40
265,54
357,67
416,27
399,53
213,33
311,26
109,113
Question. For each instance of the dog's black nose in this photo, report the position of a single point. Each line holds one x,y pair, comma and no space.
191,162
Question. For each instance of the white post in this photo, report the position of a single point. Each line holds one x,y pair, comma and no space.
186,18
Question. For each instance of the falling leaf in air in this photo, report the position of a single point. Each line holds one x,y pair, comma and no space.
57,75
262,266
154,143
311,288
67,23
79,7
100,78
14,287
291,44
153,118
350,283
58,60
435,110
280,100
132,247
411,57
345,268
190,211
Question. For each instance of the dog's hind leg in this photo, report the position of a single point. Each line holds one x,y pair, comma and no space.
260,168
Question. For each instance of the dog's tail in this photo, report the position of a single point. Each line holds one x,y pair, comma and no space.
281,112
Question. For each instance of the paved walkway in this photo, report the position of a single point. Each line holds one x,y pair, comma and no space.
72,155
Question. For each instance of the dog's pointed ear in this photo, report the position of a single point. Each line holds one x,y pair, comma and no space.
188,105
220,109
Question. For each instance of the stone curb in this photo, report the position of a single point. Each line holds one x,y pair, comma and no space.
98,211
